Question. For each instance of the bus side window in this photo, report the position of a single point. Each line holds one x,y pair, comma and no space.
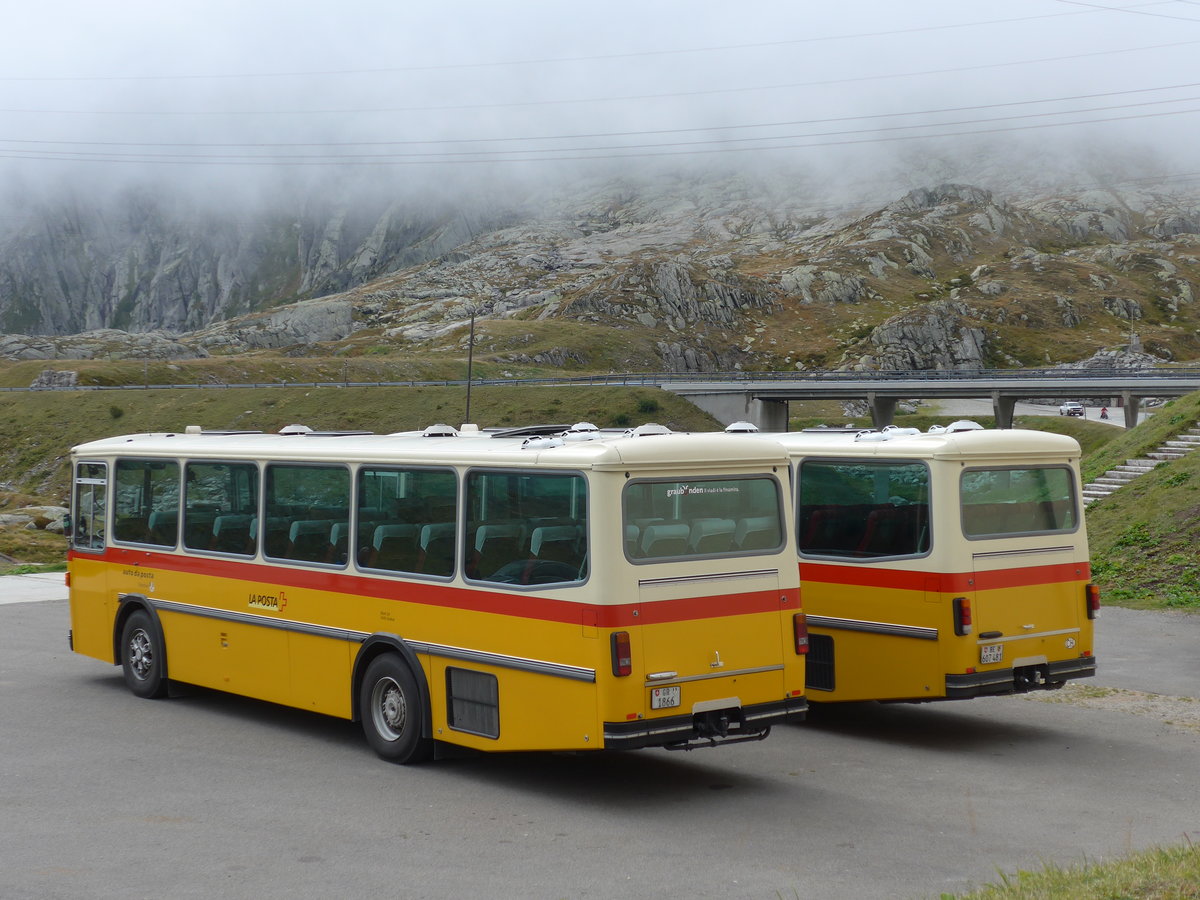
863,509
89,506
146,497
303,504
220,501
525,527
406,520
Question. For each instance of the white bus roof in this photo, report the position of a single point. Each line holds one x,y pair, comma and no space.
696,451
1014,443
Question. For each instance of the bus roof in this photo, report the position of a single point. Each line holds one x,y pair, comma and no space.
697,451
1009,443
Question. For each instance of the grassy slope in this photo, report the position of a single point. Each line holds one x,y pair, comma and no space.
1159,874
1144,538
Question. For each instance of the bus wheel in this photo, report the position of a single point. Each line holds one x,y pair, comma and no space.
391,711
142,657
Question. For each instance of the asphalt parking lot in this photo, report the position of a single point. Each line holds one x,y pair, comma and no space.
205,794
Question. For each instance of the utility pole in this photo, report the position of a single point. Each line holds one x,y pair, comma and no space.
470,364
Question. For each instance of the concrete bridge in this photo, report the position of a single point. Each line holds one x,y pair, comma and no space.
762,397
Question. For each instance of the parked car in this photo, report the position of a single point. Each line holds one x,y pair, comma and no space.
1071,408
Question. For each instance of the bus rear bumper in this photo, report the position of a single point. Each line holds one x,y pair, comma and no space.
1045,677
707,729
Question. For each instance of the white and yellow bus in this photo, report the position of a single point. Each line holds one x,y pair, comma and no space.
941,566
493,590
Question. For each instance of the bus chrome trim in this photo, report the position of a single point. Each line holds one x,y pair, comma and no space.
888,628
524,664
228,615
463,654
996,554
1024,637
708,676
696,579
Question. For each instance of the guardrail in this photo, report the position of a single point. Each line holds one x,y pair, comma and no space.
658,378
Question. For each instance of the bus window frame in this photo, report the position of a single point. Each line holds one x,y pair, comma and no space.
113,488
463,526
1073,486
352,553
930,484
781,519
348,468
76,518
259,502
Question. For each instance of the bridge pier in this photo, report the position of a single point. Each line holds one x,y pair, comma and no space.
728,407
1002,408
883,409
1132,406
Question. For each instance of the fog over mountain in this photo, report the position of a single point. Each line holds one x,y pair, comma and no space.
170,166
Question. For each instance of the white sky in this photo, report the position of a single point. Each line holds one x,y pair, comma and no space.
120,90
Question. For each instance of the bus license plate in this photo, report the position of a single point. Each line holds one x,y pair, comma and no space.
664,697
991,653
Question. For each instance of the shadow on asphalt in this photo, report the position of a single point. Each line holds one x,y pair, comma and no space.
950,727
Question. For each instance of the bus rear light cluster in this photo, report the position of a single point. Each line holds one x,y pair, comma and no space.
622,659
962,616
800,632
1093,600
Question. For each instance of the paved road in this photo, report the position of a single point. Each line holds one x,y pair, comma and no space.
104,795
975,408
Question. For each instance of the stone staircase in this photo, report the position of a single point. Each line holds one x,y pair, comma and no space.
1178,446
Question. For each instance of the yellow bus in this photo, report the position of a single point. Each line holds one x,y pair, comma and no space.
492,590
941,566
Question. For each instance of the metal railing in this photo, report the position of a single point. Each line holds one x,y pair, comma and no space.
654,379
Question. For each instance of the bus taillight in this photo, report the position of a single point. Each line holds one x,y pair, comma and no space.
962,615
800,632
622,659
1093,600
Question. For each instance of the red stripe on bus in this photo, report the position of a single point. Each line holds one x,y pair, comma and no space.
529,606
942,582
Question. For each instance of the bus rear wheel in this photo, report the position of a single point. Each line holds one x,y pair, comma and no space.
142,657
392,712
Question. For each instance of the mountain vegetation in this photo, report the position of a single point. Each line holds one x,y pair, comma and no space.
680,274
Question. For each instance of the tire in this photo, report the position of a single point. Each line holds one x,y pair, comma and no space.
392,712
143,657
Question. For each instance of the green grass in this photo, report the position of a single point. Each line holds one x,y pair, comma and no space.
1144,537
1158,874
1167,421
38,429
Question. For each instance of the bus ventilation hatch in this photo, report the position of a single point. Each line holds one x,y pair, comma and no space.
818,668
474,702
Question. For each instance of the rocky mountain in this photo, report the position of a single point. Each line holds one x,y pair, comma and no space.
683,274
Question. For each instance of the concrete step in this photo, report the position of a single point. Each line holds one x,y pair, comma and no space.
1117,480
1165,455
1181,445
1134,470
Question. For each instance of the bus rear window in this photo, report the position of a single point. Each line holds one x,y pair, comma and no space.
701,517
863,509
1018,500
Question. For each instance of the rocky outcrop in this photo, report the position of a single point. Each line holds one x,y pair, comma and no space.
310,322
696,273
940,336
107,343
674,294
143,265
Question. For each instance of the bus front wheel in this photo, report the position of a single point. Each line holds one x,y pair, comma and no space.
391,711
142,657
